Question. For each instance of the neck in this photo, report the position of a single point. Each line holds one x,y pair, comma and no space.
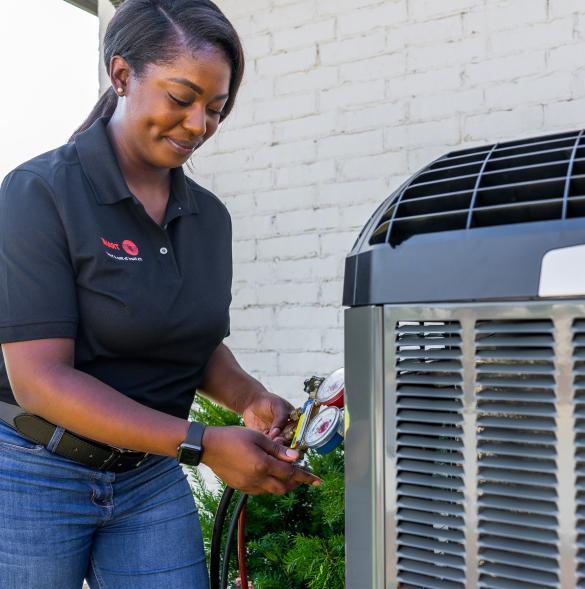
135,170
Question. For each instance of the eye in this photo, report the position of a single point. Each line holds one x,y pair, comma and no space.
216,112
177,101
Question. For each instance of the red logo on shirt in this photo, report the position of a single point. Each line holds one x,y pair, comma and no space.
111,244
130,247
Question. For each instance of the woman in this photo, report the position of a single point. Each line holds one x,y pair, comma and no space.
115,276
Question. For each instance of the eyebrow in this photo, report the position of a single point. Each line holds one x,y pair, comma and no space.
194,87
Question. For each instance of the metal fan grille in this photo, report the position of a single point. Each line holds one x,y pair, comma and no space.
430,455
579,414
516,454
536,179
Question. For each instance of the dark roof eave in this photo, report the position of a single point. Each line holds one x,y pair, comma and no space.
90,6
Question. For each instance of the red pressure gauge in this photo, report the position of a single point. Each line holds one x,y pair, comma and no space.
332,390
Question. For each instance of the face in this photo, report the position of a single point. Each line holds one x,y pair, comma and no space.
170,110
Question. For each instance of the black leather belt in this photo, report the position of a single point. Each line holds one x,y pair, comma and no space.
70,445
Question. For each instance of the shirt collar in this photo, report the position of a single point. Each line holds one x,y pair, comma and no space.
100,166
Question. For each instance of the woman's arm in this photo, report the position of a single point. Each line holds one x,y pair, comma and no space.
45,383
227,383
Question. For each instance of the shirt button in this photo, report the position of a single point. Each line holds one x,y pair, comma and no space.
164,250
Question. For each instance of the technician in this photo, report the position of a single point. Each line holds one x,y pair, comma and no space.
115,276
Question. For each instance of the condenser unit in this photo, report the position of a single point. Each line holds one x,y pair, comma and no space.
465,375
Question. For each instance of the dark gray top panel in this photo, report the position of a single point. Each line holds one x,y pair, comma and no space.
473,225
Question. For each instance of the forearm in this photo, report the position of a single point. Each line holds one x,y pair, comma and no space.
82,404
227,383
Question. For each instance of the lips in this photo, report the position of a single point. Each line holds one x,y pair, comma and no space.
183,147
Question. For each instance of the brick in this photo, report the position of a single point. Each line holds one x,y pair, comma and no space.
289,223
356,216
260,88
244,340
257,46
286,153
316,79
342,193
287,199
310,270
307,34
503,124
353,49
421,157
239,204
306,316
221,162
305,175
444,132
244,251
253,274
438,106
349,95
430,9
313,126
286,62
332,291
564,8
289,247
542,90
566,58
289,387
512,14
434,31
288,293
288,340
351,145
232,140
566,113
373,117
244,296
446,55
285,107
505,68
257,362
374,165
238,182
235,10
425,83
333,340
337,241
337,7
243,229
313,362
535,37
383,66
286,16
367,18
251,318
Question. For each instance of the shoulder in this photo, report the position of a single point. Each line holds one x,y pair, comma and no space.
43,171
206,200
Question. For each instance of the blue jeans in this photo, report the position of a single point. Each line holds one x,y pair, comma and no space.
61,522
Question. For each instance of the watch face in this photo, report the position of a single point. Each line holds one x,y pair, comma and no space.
189,454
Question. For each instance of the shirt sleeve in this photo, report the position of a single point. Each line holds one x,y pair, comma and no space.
37,283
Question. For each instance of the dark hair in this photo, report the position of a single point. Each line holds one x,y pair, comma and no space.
158,31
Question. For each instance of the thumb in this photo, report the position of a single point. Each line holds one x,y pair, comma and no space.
278,450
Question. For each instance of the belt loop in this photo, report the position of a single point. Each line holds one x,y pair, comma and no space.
55,439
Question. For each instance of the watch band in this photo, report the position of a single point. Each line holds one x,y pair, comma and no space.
191,450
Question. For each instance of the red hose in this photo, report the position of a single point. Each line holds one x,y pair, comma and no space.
242,547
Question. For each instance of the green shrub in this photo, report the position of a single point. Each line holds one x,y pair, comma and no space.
292,542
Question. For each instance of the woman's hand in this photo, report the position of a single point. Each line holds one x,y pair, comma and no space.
267,413
251,462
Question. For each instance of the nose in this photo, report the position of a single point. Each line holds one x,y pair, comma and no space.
195,120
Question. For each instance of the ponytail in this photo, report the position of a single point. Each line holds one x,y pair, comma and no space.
104,107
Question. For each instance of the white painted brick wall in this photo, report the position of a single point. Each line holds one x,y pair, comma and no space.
342,101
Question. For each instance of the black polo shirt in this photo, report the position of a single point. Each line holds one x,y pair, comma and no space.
80,258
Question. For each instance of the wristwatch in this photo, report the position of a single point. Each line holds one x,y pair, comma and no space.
190,451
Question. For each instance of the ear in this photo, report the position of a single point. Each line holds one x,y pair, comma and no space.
119,72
